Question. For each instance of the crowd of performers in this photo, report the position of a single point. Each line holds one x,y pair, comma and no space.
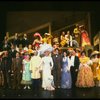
40,64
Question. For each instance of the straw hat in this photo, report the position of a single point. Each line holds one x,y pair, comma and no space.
95,53
1,53
45,33
81,26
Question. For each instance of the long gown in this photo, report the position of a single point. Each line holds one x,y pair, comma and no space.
85,75
66,81
85,38
96,71
26,75
47,78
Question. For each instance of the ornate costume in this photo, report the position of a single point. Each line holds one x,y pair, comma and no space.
85,75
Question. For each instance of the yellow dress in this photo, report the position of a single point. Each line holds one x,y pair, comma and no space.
85,75
45,40
77,35
98,70
95,67
63,41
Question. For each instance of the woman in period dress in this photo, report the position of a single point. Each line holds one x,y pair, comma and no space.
95,67
98,73
85,40
85,75
62,39
26,74
66,81
37,40
47,78
46,67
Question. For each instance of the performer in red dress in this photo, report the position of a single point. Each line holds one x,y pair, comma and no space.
37,41
84,36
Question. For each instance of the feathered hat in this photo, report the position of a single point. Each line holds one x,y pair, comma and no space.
38,35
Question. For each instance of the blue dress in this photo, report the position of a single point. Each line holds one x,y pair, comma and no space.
66,81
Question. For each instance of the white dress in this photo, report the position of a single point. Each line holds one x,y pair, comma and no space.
47,78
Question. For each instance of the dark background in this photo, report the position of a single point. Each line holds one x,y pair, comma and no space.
91,6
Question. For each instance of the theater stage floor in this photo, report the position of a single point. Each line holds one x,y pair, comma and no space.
58,93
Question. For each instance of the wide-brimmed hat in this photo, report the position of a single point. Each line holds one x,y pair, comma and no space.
81,26
45,47
95,53
1,53
78,49
45,33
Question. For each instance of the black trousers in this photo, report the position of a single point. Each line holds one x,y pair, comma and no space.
36,84
7,80
57,77
17,78
73,76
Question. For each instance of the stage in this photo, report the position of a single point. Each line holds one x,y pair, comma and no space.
58,93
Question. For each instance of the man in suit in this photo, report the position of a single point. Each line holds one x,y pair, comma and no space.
12,55
6,68
25,41
74,67
57,59
12,51
17,71
16,40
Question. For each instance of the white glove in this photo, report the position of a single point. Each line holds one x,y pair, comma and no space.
67,68
23,71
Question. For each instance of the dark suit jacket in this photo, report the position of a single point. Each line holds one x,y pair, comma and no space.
5,64
76,62
25,42
17,65
16,42
12,54
57,59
